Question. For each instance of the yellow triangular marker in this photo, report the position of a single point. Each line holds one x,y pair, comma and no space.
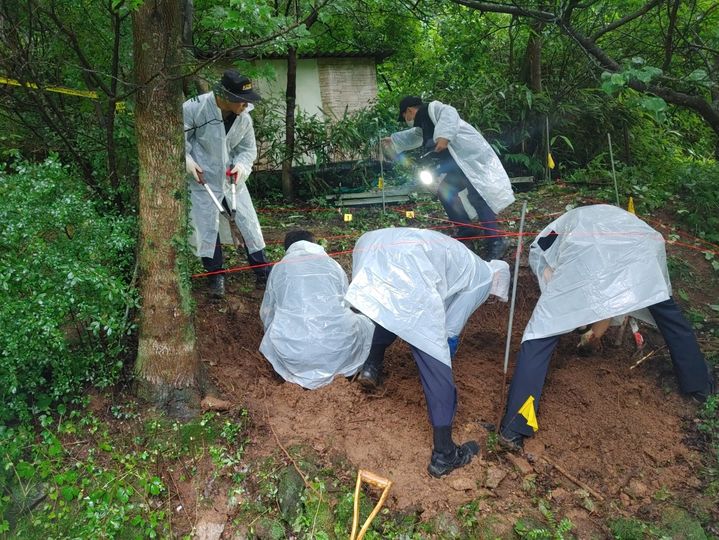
527,410
630,206
550,161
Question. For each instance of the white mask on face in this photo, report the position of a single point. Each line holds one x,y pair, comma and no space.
410,123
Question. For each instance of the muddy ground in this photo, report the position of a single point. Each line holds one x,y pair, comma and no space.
619,434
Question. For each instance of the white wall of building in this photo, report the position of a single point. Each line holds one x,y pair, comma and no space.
309,95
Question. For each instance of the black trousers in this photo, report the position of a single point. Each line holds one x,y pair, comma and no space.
448,193
217,261
535,354
440,393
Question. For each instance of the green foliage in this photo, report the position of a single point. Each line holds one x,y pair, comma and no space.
553,531
628,529
330,151
96,483
664,173
81,47
64,272
709,426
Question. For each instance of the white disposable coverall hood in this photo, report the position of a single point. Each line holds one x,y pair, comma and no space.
215,152
604,263
311,335
469,149
421,285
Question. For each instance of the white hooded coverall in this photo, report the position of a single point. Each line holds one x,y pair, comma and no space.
422,285
473,154
311,335
215,152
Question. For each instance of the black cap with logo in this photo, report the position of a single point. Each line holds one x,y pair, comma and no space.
235,88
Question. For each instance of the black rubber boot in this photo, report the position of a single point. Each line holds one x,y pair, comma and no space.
442,464
217,286
258,258
496,248
370,375
514,442
700,396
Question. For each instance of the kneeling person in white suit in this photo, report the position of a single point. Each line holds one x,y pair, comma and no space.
311,334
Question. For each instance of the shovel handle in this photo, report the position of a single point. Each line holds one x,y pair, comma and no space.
376,481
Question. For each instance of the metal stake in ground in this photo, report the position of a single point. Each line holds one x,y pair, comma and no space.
381,164
614,173
511,312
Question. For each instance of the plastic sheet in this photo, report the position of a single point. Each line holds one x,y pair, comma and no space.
603,263
419,284
311,335
469,149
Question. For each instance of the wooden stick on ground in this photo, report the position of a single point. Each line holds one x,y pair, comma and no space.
647,356
277,439
574,479
294,463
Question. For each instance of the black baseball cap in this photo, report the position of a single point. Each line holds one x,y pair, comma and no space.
236,88
408,101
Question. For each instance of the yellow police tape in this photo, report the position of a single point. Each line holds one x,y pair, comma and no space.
119,106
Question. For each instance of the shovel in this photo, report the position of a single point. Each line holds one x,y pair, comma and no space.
375,481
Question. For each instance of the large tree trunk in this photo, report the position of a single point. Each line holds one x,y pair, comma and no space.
290,101
167,366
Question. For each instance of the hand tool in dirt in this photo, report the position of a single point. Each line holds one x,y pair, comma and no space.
375,481
233,187
638,338
236,236
511,311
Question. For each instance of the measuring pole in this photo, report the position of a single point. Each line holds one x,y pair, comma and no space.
381,163
514,288
381,171
511,316
614,174
548,175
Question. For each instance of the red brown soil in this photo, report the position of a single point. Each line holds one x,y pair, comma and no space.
627,434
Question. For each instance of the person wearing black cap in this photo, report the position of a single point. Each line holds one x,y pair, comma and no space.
474,181
220,149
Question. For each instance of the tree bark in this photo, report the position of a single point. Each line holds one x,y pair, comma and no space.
290,101
167,367
533,57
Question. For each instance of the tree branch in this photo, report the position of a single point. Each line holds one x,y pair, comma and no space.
509,9
624,20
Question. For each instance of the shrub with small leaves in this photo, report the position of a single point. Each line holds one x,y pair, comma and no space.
64,287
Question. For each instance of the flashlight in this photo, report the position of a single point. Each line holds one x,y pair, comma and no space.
426,177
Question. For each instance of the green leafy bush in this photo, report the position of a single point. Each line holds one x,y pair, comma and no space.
64,273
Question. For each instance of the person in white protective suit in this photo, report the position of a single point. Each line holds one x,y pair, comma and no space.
596,263
474,182
311,334
220,149
422,286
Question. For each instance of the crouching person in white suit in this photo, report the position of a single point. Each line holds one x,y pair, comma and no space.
423,286
311,334
596,263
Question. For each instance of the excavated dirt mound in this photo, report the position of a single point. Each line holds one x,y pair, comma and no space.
623,434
